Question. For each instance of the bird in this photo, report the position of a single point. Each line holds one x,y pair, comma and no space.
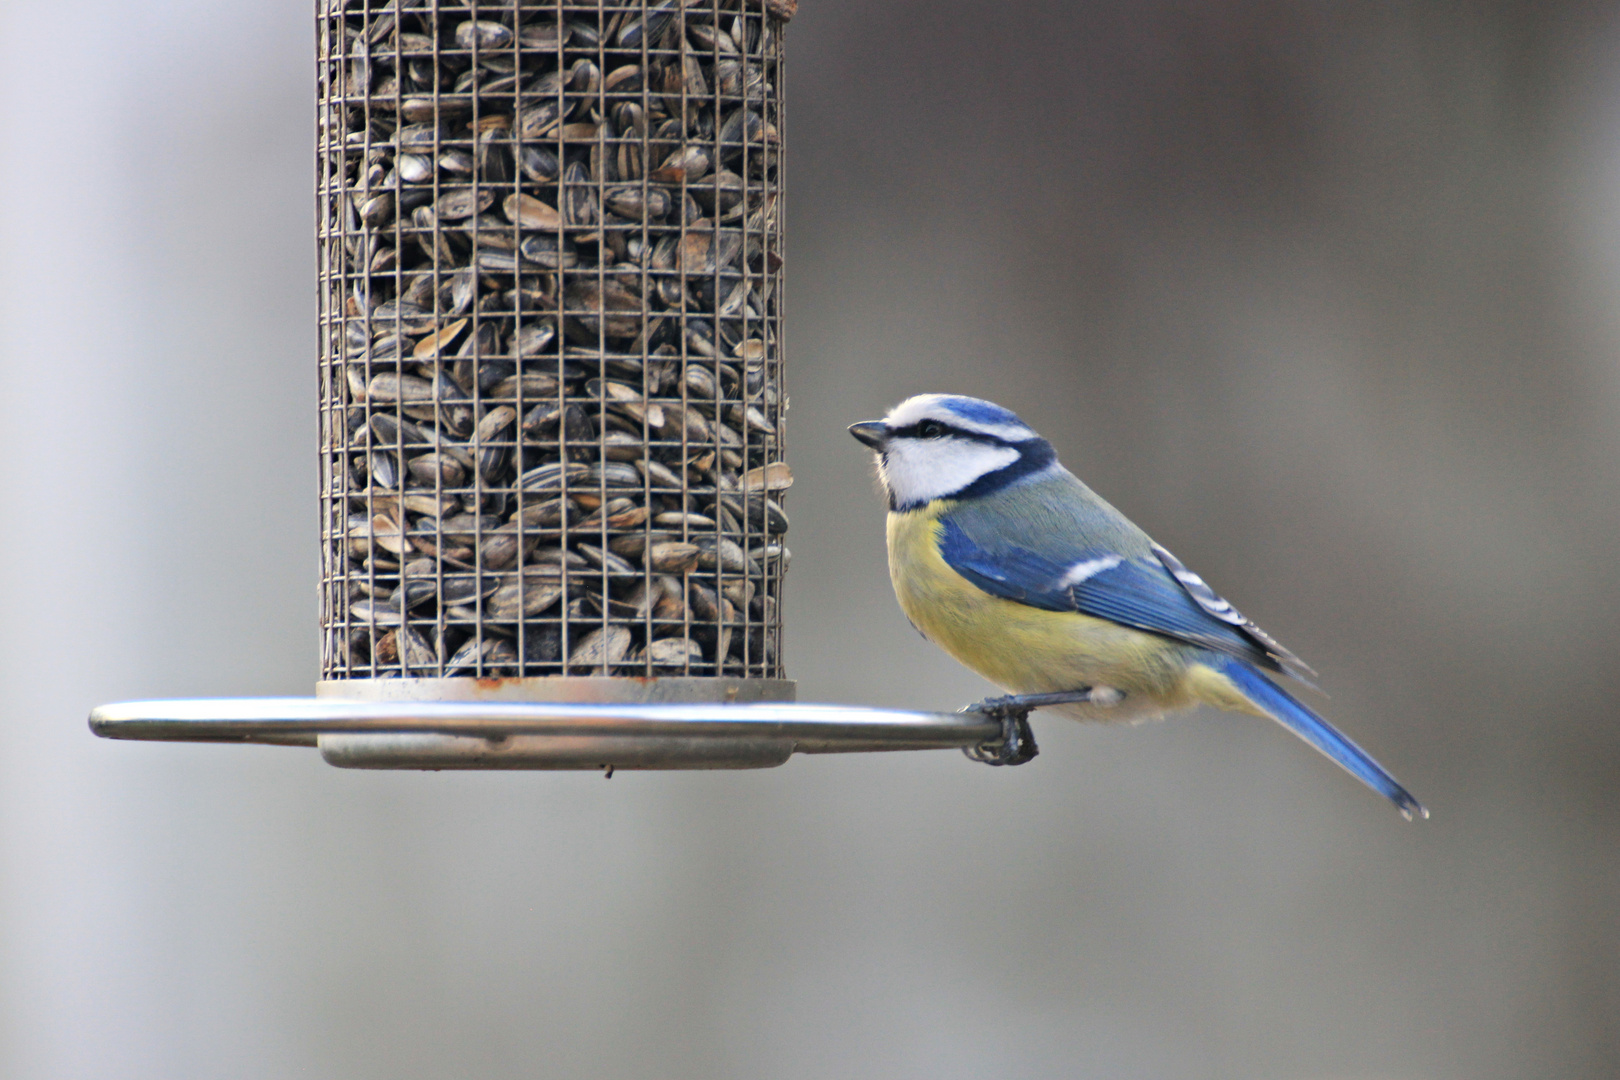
1009,563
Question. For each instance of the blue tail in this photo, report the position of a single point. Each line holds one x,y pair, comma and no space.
1320,734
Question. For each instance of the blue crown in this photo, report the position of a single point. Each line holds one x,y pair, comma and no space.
980,411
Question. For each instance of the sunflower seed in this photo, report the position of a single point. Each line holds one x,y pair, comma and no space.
599,649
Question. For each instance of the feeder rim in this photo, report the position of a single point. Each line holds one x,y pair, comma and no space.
813,728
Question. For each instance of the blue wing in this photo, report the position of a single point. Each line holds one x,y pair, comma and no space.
1152,592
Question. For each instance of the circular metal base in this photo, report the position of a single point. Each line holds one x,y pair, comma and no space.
504,734
354,750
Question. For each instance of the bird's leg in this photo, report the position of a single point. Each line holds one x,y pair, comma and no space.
1029,702
1017,742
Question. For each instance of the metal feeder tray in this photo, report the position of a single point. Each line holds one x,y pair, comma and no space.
495,734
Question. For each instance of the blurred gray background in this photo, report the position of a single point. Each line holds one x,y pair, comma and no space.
1325,296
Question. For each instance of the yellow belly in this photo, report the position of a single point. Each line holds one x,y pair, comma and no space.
1029,650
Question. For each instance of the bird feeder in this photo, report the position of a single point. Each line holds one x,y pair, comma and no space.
553,475
550,346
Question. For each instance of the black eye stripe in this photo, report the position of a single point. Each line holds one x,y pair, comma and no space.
914,431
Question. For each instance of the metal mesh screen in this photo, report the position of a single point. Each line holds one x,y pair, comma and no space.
551,406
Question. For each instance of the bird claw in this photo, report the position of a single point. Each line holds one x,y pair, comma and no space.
1017,742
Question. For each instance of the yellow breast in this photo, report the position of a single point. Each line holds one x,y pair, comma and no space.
1024,649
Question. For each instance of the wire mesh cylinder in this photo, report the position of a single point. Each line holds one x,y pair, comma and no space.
551,400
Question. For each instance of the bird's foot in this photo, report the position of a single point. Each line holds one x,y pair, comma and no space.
1014,746
1017,742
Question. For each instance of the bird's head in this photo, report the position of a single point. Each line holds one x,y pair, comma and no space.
936,446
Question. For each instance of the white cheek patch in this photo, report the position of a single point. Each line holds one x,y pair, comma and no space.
918,470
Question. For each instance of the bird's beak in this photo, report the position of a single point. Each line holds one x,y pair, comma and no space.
870,432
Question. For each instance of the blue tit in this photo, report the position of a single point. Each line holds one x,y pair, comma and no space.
1004,559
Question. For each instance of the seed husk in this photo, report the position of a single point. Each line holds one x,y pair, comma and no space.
674,653
599,649
673,557
483,34
437,468
530,212
524,595
463,203
773,477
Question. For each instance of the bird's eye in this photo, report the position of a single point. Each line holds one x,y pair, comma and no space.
930,429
